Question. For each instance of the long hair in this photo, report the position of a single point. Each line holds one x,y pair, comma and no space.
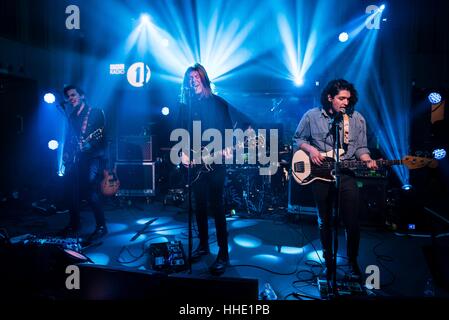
333,88
186,82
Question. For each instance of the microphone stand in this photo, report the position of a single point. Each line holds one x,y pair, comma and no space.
336,126
189,176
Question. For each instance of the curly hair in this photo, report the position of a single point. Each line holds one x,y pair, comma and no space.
333,88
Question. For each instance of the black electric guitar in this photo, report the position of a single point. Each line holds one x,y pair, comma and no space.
305,172
80,146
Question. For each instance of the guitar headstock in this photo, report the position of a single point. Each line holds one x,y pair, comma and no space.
419,162
97,134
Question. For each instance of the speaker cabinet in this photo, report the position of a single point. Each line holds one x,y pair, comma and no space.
136,179
135,148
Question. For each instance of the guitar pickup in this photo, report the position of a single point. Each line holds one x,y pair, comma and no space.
298,166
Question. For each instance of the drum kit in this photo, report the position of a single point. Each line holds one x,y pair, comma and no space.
248,192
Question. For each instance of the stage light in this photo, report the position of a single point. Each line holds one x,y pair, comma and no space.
144,18
53,144
382,8
434,97
317,83
49,98
165,111
343,37
299,81
439,154
407,187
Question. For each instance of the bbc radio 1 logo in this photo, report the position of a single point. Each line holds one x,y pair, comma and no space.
138,74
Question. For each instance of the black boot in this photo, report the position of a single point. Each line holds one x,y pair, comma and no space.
100,232
220,264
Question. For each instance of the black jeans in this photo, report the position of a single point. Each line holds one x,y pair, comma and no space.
208,192
324,194
85,184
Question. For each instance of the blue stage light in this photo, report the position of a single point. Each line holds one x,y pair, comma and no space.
53,144
434,97
439,154
382,8
299,81
407,187
165,111
144,18
343,37
49,98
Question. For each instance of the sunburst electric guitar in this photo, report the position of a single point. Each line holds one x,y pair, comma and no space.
305,172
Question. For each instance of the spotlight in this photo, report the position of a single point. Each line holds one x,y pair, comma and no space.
317,83
49,98
299,81
343,37
407,187
382,8
144,18
53,144
434,97
60,173
165,111
439,154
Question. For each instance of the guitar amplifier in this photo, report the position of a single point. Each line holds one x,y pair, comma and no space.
136,179
134,148
300,198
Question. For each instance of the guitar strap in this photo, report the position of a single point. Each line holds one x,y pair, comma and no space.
85,120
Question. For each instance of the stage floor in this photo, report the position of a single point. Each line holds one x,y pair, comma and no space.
276,248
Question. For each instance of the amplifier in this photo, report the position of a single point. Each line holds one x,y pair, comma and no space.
300,198
136,179
134,148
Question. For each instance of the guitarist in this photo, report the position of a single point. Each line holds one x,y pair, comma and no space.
208,189
314,135
84,159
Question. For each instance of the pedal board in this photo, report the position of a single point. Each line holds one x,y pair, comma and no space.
344,288
167,257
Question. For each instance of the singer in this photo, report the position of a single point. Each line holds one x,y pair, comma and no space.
316,134
198,103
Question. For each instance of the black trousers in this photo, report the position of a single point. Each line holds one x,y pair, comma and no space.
208,193
324,194
84,182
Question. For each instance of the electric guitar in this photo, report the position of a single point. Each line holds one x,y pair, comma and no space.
110,183
207,160
80,146
305,172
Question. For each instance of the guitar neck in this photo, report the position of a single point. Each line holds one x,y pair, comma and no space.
357,164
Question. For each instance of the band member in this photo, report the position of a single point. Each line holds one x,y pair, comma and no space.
315,135
212,111
84,159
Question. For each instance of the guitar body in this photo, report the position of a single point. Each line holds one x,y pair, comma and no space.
110,183
305,172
